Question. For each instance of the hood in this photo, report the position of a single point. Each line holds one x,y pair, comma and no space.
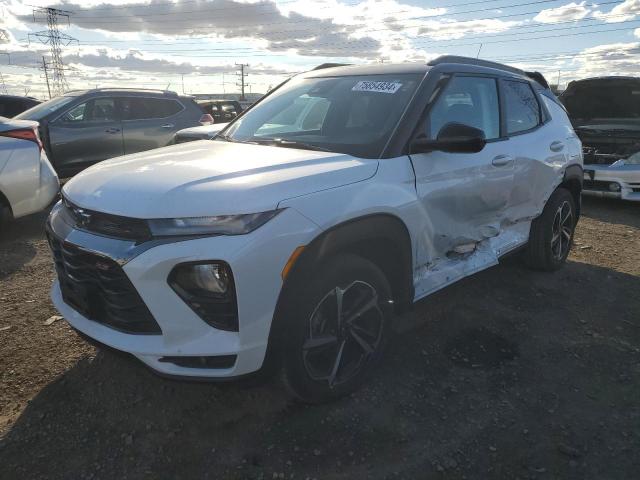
620,127
204,131
609,102
210,178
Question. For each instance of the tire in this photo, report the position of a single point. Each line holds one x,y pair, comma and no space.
551,233
324,359
5,215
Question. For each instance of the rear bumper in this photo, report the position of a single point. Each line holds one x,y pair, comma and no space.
627,177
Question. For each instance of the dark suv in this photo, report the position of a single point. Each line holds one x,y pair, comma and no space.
12,105
81,128
222,111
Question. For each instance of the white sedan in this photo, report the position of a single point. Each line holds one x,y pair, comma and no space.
28,182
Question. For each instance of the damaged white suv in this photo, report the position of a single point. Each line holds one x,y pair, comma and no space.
336,202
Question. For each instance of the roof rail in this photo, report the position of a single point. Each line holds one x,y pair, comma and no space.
130,89
330,65
537,76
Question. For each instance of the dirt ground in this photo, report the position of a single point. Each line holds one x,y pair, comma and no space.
509,374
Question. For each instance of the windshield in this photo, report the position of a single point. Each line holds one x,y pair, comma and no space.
42,110
353,114
595,101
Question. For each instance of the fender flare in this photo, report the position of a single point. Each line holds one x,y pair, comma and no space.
574,172
572,181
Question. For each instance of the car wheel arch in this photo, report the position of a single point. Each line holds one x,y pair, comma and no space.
6,212
381,238
572,181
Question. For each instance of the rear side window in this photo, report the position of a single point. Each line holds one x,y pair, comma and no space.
521,106
140,108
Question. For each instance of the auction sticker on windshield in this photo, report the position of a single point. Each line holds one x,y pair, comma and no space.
380,87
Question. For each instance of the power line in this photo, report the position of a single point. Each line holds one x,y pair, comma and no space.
534,30
262,24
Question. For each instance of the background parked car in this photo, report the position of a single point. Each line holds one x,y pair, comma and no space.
28,182
204,132
222,111
12,105
605,113
81,128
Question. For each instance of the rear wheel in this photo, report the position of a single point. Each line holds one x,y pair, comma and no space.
5,214
552,233
338,326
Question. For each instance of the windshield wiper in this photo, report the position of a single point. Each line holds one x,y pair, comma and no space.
280,142
226,138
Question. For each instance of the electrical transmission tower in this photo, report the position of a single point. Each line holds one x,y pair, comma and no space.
3,86
242,76
4,38
56,40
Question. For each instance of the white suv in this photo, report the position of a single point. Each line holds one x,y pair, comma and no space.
219,258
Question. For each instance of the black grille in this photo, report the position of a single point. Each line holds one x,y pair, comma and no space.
107,224
99,289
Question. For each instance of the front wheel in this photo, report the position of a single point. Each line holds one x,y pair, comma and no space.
338,326
551,233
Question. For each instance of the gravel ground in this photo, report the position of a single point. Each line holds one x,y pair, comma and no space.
508,374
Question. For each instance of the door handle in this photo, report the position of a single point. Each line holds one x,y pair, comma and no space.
112,130
556,146
502,160
168,125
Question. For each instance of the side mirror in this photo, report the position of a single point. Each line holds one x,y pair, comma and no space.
452,138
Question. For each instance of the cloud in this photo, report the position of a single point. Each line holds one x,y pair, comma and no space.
451,29
228,19
610,59
636,32
627,10
570,11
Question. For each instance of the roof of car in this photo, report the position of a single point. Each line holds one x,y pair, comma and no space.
20,97
135,91
327,70
373,69
607,78
221,100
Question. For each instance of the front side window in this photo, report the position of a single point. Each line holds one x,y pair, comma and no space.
471,101
355,114
79,113
140,108
521,106
98,110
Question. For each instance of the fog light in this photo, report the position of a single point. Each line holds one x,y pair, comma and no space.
614,187
208,288
210,277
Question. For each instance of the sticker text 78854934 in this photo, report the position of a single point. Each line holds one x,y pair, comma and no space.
380,87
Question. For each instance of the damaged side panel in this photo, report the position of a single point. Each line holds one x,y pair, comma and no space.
476,209
541,157
464,201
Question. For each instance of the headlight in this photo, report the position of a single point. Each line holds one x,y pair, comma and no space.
219,225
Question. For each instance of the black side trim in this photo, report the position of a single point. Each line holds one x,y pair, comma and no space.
574,172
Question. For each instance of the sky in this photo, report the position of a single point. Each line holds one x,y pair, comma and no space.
193,46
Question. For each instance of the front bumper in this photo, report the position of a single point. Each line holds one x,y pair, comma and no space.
598,177
256,259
